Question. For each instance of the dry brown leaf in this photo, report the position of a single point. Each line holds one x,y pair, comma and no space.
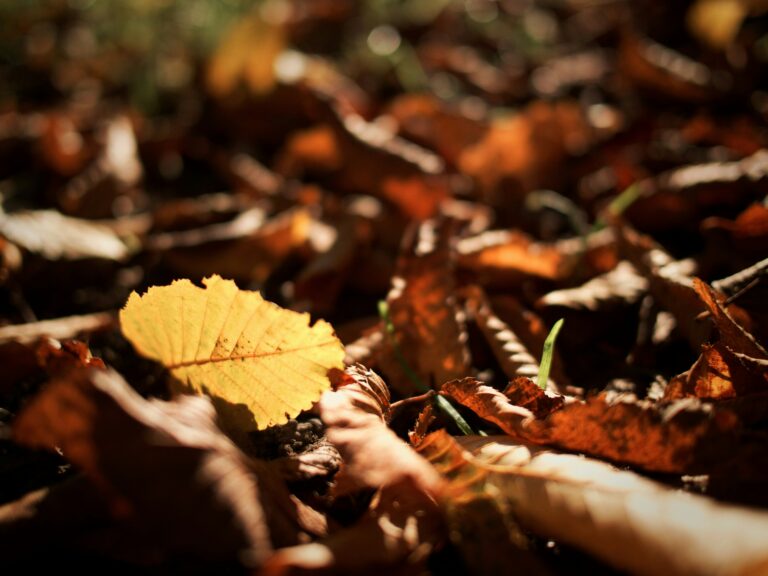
323,278
426,120
364,157
505,258
58,328
489,403
57,237
115,173
684,437
525,393
248,248
526,151
356,426
657,68
731,333
621,286
428,324
480,525
628,521
403,524
163,467
719,374
681,197
748,233
669,281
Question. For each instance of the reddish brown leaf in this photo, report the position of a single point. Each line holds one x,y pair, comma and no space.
731,334
504,258
164,467
366,157
719,374
427,120
525,150
685,437
428,327
525,393
490,404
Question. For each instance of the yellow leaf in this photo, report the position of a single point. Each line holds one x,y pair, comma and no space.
246,55
235,346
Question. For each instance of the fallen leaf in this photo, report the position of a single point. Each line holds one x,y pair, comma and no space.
683,437
617,515
621,286
719,374
58,328
233,344
427,321
669,281
731,333
480,525
404,522
511,410
246,56
57,237
175,476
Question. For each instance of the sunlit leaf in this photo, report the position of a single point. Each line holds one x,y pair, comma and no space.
235,346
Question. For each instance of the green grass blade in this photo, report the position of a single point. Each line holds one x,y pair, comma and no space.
546,355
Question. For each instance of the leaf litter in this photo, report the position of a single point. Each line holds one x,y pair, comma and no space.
338,237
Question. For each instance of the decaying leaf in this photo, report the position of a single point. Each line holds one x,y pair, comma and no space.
174,474
733,335
630,522
57,237
622,285
428,325
58,328
719,374
480,525
669,281
684,437
403,524
234,345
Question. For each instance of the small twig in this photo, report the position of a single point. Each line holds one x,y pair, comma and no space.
412,400
732,298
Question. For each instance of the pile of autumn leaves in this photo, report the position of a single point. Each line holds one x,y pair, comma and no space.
173,489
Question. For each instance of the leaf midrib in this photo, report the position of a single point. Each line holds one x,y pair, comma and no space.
251,355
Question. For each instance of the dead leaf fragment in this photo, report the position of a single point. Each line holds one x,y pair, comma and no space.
175,474
731,333
428,324
57,237
630,522
622,285
236,346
